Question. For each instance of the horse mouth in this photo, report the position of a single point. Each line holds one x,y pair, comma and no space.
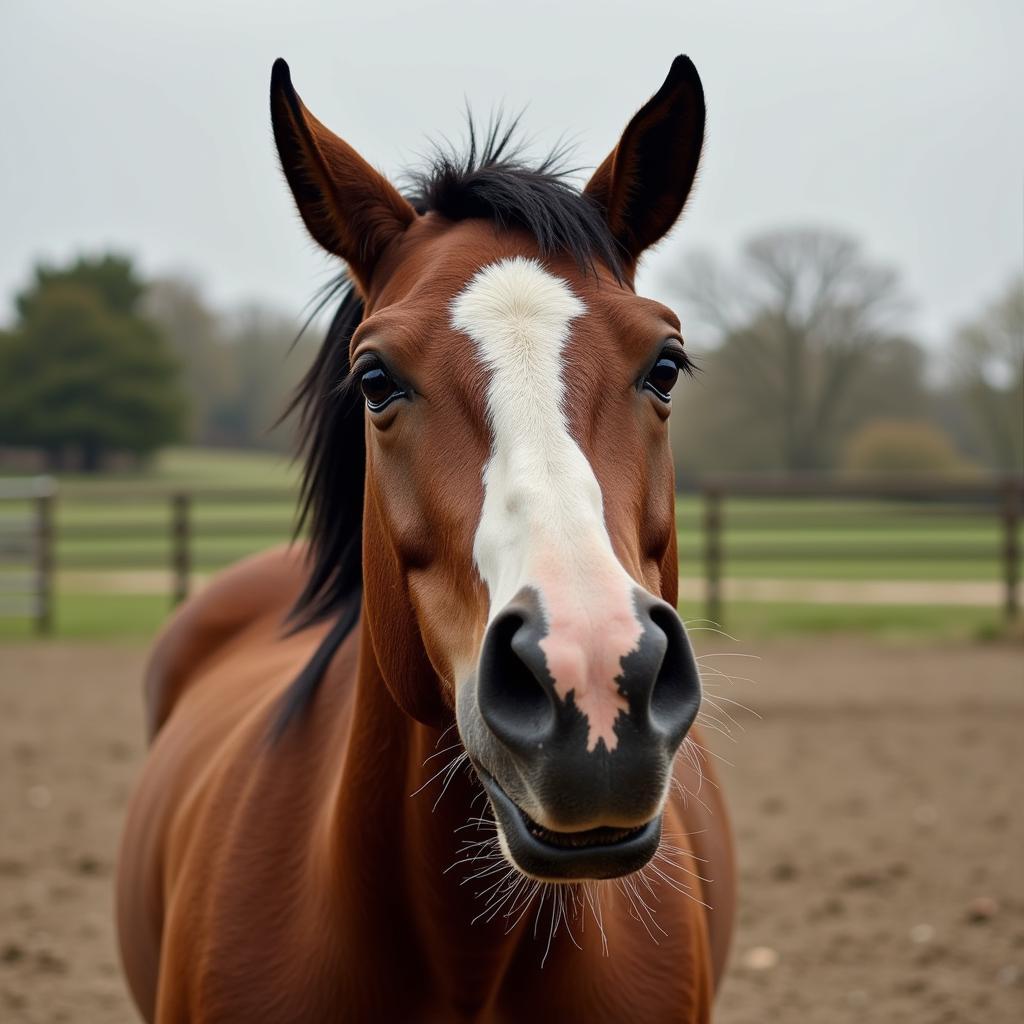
602,836
602,852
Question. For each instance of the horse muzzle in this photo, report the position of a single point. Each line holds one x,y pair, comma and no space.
577,766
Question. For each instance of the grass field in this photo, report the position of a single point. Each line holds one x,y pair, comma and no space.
198,467
122,523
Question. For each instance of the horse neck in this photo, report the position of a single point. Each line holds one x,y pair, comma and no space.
392,852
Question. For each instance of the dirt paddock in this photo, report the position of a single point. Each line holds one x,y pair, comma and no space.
877,806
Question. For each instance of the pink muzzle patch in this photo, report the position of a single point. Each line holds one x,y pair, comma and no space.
591,627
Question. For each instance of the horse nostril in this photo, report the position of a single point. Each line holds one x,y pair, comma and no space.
675,697
514,702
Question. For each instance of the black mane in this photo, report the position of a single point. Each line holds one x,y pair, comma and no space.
492,181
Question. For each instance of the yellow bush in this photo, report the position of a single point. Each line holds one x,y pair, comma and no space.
889,446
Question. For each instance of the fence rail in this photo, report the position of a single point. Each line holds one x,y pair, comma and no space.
26,550
1001,498
730,527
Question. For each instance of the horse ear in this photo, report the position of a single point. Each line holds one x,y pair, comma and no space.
643,183
352,210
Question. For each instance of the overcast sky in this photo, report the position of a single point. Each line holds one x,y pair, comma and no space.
143,125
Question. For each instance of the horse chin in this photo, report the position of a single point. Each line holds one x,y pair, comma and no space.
552,856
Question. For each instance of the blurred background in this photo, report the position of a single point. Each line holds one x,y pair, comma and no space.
850,277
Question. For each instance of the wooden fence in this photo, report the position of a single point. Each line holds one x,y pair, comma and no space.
1001,498
109,529
26,550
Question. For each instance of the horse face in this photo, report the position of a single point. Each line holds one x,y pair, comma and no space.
519,530
519,466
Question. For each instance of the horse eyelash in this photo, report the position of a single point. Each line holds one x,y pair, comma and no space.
346,386
686,363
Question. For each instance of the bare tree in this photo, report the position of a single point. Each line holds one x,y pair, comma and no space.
795,334
988,377
193,329
269,361
239,366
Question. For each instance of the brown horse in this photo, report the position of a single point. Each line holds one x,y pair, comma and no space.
436,767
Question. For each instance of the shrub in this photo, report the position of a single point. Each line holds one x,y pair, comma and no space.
888,446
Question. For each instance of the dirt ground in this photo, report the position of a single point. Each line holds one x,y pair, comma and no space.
877,806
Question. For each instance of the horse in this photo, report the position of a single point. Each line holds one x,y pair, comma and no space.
438,762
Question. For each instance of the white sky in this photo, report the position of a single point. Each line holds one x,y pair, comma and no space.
143,125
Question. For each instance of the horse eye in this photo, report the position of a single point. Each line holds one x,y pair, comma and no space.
662,377
379,388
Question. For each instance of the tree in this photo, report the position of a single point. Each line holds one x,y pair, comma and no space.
111,278
269,363
804,343
83,370
195,335
240,368
988,379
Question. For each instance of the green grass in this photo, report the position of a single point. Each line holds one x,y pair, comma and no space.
97,617
751,620
220,468
923,568
199,467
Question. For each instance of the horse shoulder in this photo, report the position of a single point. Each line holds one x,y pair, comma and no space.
262,586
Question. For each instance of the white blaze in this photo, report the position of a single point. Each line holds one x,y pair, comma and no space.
542,521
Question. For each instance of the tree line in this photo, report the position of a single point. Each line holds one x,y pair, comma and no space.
101,367
806,365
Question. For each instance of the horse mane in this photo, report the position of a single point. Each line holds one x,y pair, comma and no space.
491,180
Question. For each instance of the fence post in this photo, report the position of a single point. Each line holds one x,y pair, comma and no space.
44,502
180,547
713,555
1011,549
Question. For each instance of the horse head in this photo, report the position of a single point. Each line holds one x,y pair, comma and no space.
491,409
